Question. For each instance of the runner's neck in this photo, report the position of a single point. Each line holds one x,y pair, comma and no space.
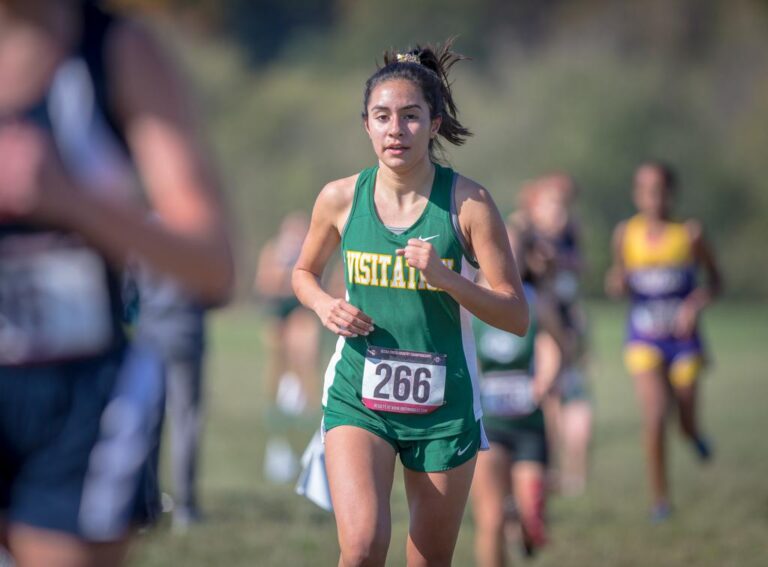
414,183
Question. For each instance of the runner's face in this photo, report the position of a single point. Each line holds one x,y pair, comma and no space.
549,211
399,124
650,195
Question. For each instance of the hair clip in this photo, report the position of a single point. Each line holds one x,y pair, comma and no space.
408,58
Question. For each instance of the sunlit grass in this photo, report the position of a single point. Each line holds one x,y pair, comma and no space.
721,511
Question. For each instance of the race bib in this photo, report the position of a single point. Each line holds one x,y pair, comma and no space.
403,381
655,319
659,281
566,286
54,303
507,395
500,346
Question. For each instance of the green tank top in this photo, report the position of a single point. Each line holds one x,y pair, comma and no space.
409,315
504,356
500,351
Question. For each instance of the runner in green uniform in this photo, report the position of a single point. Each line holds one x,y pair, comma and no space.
403,379
517,373
549,220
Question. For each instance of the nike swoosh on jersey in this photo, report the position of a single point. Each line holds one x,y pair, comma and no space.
428,238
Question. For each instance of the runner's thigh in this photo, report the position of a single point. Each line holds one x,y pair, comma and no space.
360,468
436,501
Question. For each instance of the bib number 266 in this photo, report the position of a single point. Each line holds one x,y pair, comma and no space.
402,381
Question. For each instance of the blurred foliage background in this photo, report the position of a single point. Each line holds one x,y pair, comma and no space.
590,87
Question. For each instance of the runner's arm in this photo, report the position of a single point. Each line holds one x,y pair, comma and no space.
553,346
615,277
328,217
191,241
503,303
702,296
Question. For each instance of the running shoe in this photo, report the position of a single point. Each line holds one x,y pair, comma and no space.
660,513
703,449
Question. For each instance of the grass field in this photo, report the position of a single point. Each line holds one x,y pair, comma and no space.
721,514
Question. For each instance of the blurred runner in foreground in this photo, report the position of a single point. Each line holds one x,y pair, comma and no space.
655,262
89,104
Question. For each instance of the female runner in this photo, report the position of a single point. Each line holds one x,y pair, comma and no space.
569,414
403,378
655,261
517,375
293,332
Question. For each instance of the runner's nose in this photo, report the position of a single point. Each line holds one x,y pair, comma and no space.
396,128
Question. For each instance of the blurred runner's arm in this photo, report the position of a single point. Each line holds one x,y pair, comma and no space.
705,257
701,296
191,243
554,346
615,278
548,364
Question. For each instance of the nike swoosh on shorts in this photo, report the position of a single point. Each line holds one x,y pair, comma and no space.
460,452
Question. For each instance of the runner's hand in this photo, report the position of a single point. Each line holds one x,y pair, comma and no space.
421,255
539,392
685,321
615,282
344,319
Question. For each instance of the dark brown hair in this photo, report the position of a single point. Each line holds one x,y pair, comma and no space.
665,169
427,67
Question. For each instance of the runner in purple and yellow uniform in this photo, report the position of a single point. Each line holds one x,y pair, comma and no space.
656,261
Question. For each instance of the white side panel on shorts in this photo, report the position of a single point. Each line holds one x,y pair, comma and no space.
485,445
468,342
330,372
128,433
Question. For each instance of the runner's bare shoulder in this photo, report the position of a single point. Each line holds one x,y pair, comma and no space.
335,201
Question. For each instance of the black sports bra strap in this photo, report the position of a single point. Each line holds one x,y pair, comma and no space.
93,45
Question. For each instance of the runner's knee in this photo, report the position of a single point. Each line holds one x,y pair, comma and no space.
364,549
489,518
